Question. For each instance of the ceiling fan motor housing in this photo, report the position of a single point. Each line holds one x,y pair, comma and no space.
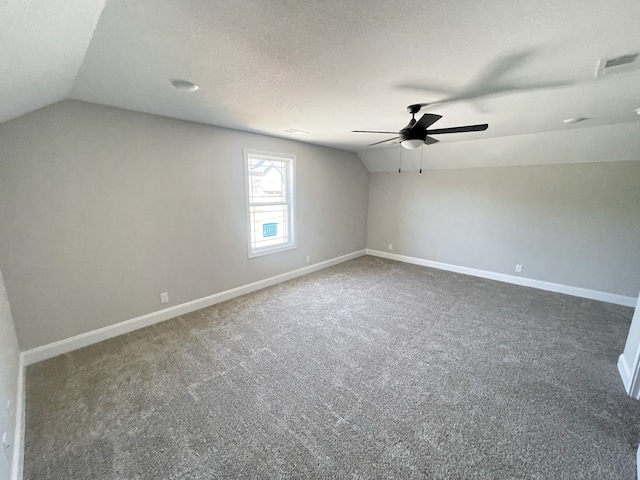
408,133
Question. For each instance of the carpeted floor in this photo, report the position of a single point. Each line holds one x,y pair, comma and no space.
369,369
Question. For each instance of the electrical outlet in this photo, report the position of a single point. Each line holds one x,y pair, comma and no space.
518,268
391,246
308,258
164,297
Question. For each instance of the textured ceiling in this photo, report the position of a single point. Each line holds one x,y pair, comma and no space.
329,67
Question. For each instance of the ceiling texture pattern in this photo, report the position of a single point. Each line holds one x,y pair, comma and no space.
328,67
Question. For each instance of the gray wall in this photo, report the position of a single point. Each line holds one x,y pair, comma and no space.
573,224
103,209
9,364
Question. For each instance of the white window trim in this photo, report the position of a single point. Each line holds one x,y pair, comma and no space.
292,244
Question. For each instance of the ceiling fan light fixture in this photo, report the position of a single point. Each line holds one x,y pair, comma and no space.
412,143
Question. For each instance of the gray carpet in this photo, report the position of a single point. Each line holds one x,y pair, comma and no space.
369,369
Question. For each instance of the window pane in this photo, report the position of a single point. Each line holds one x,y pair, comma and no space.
268,180
268,225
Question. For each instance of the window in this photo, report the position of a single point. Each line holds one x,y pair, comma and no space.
269,184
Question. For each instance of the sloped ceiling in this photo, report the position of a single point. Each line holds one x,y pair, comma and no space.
330,67
42,45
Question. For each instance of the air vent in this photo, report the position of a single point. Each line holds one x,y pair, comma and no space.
621,64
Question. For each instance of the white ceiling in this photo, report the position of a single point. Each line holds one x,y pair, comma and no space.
327,67
42,45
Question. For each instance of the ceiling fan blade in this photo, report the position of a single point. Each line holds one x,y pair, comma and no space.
534,86
466,128
383,141
426,87
427,120
500,67
430,140
370,131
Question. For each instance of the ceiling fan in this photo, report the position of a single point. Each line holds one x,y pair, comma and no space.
416,134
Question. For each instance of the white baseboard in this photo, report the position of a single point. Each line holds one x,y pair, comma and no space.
629,375
625,373
84,339
18,436
502,277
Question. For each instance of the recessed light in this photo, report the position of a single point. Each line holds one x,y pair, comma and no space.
294,131
184,86
575,120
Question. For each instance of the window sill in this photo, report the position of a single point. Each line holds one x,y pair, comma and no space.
269,251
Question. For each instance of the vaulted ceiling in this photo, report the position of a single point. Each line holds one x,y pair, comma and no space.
327,67
42,45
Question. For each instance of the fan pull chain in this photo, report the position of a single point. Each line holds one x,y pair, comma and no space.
421,155
400,163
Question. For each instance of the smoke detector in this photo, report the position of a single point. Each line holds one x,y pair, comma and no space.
294,131
622,64
184,86
575,120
